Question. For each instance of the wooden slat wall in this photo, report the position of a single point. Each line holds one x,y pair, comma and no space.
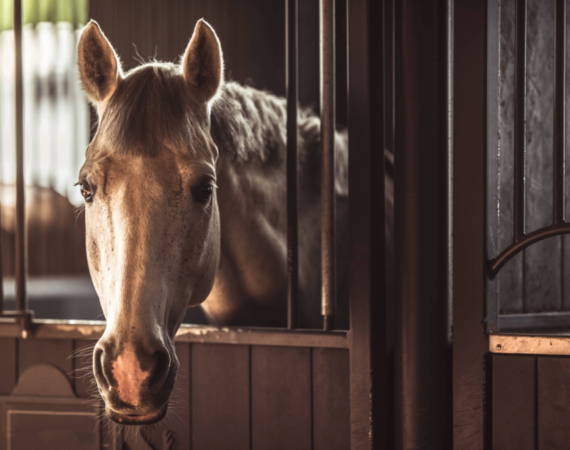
513,390
530,402
226,396
537,279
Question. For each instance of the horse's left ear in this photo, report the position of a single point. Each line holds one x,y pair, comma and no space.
203,65
99,67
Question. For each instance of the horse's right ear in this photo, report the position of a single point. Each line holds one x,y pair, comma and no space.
99,67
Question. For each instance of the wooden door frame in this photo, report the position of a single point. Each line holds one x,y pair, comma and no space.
470,342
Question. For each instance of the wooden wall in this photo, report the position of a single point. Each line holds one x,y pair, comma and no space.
226,396
530,402
537,279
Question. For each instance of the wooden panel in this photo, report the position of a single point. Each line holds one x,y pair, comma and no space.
553,403
513,414
41,430
510,278
281,398
47,351
83,380
331,402
220,397
7,365
542,261
469,142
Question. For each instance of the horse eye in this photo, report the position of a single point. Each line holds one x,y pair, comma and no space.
86,192
203,194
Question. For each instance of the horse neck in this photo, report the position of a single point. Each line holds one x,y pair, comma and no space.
250,285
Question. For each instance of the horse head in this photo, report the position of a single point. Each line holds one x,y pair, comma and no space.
152,220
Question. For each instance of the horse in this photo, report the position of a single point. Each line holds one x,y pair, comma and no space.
185,204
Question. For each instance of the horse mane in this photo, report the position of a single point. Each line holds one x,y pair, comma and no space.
250,125
151,107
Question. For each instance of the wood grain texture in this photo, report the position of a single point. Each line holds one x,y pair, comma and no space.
553,403
513,409
469,142
8,351
46,351
220,397
331,402
281,398
566,239
510,278
542,261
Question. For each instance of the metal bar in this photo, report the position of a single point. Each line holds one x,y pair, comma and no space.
292,184
520,119
559,111
21,298
543,233
328,125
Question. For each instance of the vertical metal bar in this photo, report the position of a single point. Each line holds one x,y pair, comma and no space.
559,111
292,185
21,297
328,125
520,119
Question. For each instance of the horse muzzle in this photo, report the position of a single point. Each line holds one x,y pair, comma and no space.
134,381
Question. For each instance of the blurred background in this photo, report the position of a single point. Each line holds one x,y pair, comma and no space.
59,122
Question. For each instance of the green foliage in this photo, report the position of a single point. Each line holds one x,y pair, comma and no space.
35,11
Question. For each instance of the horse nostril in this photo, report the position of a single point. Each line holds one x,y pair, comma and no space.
161,369
103,374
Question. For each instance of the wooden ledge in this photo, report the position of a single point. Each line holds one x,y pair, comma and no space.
530,345
83,329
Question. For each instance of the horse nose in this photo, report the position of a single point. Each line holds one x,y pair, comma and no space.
127,373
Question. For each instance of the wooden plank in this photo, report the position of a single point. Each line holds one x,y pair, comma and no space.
469,142
78,329
368,387
566,238
281,398
331,402
510,278
513,409
553,403
46,351
542,260
83,380
8,349
220,397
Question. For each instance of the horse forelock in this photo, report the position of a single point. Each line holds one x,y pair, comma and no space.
151,110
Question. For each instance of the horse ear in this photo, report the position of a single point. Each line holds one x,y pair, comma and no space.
99,67
203,65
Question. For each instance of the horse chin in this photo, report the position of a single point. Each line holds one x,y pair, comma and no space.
127,419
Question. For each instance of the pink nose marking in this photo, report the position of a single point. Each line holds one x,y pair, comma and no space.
129,376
